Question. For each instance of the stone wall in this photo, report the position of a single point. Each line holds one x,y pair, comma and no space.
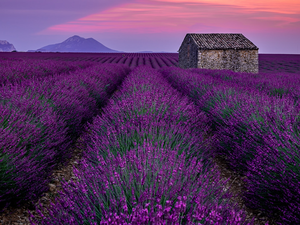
188,59
229,59
235,60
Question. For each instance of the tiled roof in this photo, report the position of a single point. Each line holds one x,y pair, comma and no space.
222,41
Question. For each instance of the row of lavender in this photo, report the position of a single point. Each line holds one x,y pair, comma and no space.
279,63
295,58
280,85
132,62
14,71
39,121
68,55
146,162
267,62
257,134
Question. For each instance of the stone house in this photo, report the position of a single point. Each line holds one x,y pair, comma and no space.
218,51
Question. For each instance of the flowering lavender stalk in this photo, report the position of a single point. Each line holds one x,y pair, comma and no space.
143,164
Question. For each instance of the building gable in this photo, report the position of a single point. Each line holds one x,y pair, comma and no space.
218,41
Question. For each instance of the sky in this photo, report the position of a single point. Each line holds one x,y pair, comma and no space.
150,25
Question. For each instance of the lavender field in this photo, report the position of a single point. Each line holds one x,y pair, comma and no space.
267,62
146,156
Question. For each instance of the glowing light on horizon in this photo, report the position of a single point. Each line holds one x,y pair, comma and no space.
153,16
278,6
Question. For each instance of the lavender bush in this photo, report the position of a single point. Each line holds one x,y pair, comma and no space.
246,122
147,186
14,72
141,178
48,117
275,84
23,141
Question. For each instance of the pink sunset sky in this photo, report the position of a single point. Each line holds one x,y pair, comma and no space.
150,25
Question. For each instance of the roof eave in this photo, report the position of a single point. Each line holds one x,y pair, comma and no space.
228,48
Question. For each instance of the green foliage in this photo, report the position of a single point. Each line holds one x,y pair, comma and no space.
278,92
227,78
6,181
227,112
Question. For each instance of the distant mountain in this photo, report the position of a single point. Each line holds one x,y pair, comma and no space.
153,52
5,46
76,44
145,52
